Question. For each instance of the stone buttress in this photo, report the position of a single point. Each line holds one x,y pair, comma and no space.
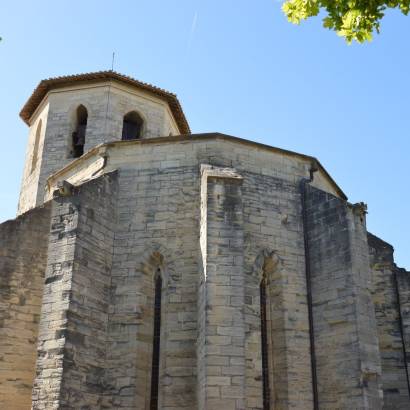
221,326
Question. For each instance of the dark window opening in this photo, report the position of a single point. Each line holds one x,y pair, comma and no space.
132,126
264,345
78,136
156,344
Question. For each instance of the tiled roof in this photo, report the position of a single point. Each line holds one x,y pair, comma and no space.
46,85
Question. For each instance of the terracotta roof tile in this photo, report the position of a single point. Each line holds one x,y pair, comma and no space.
46,85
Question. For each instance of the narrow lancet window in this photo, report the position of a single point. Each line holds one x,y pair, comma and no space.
264,345
132,126
78,136
156,343
35,147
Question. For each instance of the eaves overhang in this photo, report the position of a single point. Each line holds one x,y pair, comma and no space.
91,78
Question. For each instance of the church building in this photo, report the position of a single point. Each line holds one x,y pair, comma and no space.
150,268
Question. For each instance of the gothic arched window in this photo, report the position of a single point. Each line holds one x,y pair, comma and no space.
78,136
35,147
264,346
132,126
156,343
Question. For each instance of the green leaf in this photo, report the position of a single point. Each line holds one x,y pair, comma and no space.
355,20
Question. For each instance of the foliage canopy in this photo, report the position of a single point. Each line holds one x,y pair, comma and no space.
352,19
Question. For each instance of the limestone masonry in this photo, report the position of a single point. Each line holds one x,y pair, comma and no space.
151,268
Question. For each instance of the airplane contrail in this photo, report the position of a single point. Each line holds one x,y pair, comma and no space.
193,29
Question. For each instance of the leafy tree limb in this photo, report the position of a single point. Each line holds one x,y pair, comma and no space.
352,19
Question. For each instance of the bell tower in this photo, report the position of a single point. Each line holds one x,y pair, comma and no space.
67,116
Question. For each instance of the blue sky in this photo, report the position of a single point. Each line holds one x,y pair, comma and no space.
240,68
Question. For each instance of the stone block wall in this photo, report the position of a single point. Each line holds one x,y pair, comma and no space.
30,178
158,210
221,346
273,246
158,220
346,344
23,256
211,239
403,286
390,291
106,103
74,319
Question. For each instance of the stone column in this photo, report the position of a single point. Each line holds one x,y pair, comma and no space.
221,342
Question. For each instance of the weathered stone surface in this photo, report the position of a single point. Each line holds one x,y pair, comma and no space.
106,103
346,343
221,325
213,216
73,325
23,256
390,293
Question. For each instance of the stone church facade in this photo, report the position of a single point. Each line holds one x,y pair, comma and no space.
151,268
